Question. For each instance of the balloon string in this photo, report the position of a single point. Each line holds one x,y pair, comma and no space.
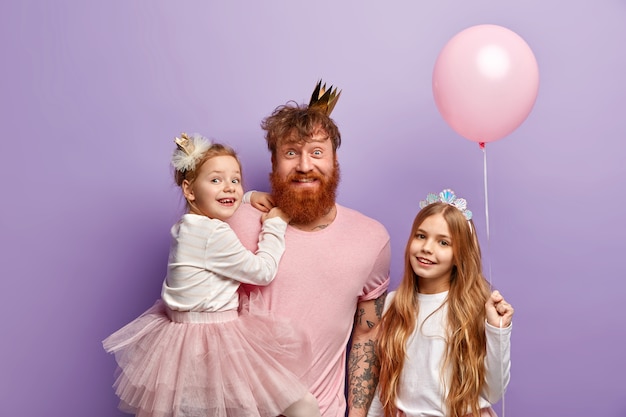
483,147
502,366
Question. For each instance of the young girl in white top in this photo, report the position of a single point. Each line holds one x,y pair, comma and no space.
444,341
199,351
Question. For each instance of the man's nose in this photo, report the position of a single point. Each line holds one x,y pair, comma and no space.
304,163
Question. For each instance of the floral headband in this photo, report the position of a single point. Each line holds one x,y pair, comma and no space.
189,150
447,196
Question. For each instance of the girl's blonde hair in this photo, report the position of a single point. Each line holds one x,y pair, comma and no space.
466,341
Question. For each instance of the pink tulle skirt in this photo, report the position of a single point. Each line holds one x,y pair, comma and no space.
224,364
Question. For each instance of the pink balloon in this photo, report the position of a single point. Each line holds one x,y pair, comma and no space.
485,82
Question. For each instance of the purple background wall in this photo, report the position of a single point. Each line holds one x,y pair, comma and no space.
93,93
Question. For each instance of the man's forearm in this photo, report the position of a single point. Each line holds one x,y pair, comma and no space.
363,365
363,371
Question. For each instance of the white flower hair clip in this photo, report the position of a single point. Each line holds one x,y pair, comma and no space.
188,151
447,196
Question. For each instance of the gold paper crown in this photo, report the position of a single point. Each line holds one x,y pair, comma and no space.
189,150
323,98
184,144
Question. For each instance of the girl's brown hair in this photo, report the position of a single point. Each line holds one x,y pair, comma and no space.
466,341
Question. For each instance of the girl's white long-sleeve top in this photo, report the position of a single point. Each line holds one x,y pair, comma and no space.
422,392
207,263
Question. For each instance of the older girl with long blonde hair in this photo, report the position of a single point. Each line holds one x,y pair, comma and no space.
444,341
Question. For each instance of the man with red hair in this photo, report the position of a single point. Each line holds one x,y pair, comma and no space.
334,274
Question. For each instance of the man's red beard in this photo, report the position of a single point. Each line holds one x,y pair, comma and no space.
305,206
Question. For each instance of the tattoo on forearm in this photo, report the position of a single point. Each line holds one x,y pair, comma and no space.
363,368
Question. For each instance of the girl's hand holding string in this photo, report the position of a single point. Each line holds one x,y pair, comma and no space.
499,312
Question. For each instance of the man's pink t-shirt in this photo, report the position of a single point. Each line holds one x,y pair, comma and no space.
321,278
